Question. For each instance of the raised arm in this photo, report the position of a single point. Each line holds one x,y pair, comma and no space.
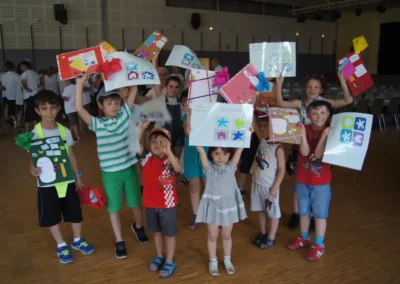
279,97
186,123
141,129
236,157
304,146
82,112
347,97
203,157
133,90
320,149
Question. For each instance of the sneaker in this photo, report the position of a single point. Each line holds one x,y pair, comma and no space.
258,239
64,255
267,243
140,234
312,224
298,243
294,221
193,225
83,246
120,250
315,252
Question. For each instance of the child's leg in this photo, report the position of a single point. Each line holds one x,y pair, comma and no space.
76,131
171,244
262,217
295,205
227,239
195,187
76,230
158,241
320,200
273,228
56,233
116,225
212,240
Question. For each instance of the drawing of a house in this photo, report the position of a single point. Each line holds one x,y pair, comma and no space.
221,135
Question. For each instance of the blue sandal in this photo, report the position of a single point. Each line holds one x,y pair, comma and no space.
157,262
168,268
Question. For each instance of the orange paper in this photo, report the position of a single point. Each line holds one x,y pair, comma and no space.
152,46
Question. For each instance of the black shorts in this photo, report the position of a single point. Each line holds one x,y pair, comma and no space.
162,220
30,114
50,206
10,106
248,155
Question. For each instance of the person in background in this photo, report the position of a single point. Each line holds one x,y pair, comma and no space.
42,74
215,66
51,82
30,84
10,83
176,72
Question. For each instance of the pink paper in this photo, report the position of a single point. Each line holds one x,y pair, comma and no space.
348,70
241,88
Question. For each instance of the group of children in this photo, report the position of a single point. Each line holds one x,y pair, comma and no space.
220,206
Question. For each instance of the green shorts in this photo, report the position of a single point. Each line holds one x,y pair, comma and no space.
125,181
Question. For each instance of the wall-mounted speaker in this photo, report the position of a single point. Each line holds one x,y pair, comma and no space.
60,14
195,21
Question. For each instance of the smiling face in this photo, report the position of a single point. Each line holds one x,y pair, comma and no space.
173,88
48,112
220,156
110,105
319,116
157,141
313,88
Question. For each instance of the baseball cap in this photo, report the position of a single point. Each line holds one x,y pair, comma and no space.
163,131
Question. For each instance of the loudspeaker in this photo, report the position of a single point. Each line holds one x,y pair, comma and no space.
60,14
195,21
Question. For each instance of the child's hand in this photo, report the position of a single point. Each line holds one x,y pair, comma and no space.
302,128
273,191
325,133
79,184
252,129
81,79
187,109
166,146
143,125
36,171
280,79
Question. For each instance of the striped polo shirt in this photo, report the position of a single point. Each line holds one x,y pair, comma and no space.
112,141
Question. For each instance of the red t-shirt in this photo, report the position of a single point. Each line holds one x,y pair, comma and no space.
309,170
159,186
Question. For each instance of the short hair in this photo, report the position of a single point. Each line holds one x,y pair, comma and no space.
112,97
9,65
156,134
46,97
26,63
72,81
226,150
173,78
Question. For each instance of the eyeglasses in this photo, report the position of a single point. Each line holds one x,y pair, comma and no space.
316,76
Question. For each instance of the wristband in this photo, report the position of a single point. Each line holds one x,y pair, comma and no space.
78,175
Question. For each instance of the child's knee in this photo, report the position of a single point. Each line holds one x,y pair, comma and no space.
212,238
226,237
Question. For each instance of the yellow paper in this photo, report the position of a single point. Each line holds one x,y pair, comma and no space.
78,64
359,44
108,48
206,63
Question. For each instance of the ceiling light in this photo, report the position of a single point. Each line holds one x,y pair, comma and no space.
380,8
297,34
211,28
322,35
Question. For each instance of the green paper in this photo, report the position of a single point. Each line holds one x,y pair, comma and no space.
44,153
24,140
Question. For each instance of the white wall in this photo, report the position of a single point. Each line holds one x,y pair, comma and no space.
368,24
16,16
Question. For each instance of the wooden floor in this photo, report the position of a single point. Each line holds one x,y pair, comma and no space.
361,244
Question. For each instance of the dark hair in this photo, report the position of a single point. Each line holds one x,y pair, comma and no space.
112,97
46,97
26,63
173,78
226,150
320,80
72,81
9,65
321,103
156,134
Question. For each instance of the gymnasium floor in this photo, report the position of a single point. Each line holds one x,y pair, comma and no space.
361,242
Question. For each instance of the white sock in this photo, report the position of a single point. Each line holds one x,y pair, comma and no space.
213,259
76,239
63,244
227,258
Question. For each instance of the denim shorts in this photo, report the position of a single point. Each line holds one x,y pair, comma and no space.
313,199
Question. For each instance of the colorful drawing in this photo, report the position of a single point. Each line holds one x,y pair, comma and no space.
151,46
221,125
72,64
135,71
348,140
283,125
241,88
184,57
107,48
201,87
52,171
274,58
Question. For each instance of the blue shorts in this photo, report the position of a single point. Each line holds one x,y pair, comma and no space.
313,199
191,162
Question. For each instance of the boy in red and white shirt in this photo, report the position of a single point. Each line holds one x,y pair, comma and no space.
159,196
313,178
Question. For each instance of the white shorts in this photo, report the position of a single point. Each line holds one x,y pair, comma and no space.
261,200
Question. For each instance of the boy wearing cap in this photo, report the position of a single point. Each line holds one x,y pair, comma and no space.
268,171
313,178
160,197
117,163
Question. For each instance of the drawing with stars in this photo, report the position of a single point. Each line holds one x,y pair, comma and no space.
222,122
238,136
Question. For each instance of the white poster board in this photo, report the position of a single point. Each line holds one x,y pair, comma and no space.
182,56
135,71
274,58
348,140
201,87
221,125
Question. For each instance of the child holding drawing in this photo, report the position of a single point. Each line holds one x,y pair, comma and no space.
313,178
315,85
